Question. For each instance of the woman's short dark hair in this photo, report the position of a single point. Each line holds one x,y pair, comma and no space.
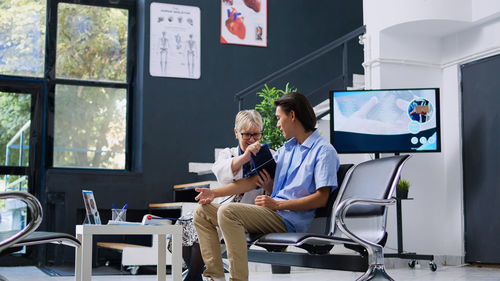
302,108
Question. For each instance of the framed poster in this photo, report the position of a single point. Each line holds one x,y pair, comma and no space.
244,22
174,41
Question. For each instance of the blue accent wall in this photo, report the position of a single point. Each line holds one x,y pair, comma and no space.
176,121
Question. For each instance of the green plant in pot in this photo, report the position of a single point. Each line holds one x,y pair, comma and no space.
270,133
402,189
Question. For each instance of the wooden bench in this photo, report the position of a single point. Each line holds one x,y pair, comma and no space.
186,192
118,246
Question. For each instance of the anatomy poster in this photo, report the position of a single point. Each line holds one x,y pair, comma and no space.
175,41
244,22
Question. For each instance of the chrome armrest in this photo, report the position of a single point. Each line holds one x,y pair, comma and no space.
35,209
374,250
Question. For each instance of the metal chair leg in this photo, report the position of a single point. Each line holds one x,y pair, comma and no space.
375,272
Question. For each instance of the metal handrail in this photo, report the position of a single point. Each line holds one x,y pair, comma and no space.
36,212
342,41
19,181
19,135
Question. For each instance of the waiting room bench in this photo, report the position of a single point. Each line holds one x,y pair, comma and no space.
357,220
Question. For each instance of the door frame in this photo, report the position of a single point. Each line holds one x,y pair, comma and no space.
34,171
467,176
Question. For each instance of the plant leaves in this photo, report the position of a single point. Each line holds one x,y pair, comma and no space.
270,133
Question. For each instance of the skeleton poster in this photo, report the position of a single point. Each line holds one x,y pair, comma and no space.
175,41
244,22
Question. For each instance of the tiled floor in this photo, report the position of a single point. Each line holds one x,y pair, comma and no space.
455,273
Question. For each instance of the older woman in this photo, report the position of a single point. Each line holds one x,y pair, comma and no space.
231,164
234,163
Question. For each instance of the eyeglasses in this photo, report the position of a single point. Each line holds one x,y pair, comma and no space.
247,136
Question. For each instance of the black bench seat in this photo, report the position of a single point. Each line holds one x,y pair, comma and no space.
365,193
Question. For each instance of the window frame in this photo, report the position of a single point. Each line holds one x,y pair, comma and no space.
34,88
52,80
42,90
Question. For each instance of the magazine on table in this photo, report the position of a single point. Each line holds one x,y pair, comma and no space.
92,216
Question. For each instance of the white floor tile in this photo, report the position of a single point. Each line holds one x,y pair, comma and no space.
444,273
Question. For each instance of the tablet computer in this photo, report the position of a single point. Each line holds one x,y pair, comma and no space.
263,160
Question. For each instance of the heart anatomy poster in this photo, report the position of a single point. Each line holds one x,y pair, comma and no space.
244,22
175,41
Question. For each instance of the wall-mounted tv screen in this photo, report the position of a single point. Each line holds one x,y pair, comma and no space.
376,121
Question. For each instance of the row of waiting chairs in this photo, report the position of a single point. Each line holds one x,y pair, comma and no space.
364,194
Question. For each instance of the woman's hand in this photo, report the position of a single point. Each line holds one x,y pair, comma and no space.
239,161
252,149
268,202
265,181
206,196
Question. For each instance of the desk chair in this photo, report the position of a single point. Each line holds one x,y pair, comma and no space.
358,219
12,241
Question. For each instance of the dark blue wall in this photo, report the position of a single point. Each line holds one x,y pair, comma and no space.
181,120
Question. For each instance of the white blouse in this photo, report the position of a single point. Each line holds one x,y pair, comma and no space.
224,174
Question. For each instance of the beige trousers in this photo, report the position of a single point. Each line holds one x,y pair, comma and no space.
234,220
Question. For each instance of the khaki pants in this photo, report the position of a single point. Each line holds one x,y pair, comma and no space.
234,219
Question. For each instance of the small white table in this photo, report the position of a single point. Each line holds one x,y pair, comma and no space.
84,233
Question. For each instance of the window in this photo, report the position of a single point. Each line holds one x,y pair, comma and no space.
91,86
90,127
15,120
67,78
81,62
22,37
91,43
16,150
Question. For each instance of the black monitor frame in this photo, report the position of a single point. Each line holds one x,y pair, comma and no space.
396,151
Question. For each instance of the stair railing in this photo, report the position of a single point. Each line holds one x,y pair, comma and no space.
342,41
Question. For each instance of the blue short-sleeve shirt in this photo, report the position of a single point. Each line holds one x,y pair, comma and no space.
302,169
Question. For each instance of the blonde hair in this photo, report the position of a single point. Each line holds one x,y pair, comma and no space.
245,119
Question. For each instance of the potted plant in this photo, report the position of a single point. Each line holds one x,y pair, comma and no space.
270,133
402,189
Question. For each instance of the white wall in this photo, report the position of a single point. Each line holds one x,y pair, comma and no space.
422,43
485,9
